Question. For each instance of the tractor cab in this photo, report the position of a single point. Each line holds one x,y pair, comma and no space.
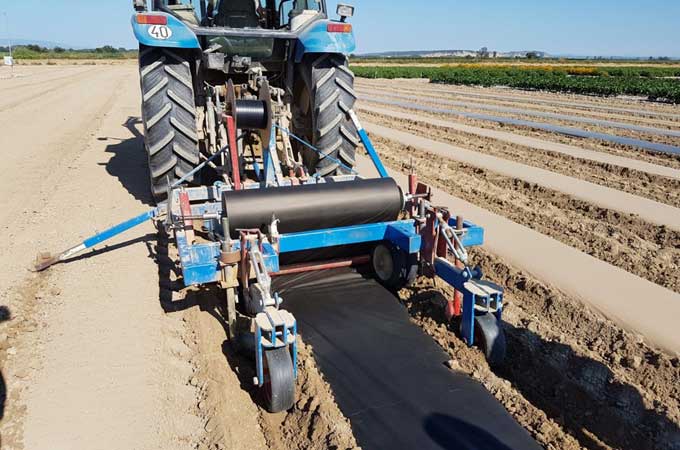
265,31
263,14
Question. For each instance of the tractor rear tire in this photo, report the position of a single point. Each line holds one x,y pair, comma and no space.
324,93
169,116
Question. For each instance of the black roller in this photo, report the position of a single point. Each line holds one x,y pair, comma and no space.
314,206
252,114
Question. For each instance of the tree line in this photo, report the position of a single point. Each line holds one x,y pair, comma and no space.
39,49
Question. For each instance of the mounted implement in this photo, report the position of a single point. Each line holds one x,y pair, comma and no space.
278,193
241,238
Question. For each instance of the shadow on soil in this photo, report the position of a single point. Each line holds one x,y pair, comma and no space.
584,395
129,163
110,248
5,315
451,433
175,297
579,393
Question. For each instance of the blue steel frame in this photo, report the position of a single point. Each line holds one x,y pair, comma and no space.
457,278
200,262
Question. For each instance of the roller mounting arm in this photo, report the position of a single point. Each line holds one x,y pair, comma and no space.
372,153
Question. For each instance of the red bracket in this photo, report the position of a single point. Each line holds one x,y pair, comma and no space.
185,208
233,151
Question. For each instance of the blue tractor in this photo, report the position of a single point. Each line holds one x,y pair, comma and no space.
251,139
277,61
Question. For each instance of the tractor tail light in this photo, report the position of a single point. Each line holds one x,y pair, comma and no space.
339,28
152,19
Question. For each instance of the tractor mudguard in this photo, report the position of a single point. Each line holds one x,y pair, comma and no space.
317,39
174,34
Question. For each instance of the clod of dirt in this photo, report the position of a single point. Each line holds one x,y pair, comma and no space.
18,336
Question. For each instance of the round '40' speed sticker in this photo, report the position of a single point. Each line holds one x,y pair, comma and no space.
160,32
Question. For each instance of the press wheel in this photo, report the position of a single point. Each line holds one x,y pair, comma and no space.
393,268
279,380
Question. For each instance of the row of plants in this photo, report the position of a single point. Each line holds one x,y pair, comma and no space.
628,82
440,60
36,52
621,71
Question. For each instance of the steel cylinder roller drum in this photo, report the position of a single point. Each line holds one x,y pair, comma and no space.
314,206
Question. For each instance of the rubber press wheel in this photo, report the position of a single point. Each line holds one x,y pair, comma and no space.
393,268
490,338
279,385
169,116
324,92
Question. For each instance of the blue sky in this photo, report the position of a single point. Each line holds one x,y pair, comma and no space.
584,27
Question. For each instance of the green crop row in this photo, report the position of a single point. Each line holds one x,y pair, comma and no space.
35,52
628,82
441,60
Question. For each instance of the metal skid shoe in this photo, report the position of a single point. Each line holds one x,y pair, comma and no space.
483,327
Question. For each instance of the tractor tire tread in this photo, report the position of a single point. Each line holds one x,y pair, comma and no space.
169,116
332,96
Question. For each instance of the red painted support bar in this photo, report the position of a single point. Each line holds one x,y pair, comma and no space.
233,152
312,267
185,208
412,189
458,296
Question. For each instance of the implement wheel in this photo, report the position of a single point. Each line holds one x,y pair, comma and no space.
279,381
169,116
324,91
393,268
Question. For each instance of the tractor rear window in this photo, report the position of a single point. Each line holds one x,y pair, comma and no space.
308,4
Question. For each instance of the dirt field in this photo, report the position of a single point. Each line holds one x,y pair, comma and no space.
102,352
108,352
577,380
579,392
